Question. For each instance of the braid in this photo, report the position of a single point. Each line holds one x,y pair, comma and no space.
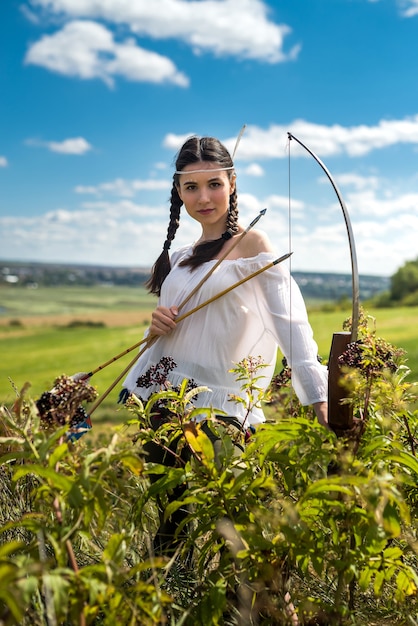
232,220
174,223
162,265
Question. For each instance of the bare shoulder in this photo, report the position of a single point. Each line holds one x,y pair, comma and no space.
255,242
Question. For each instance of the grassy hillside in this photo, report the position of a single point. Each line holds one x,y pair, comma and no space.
21,303
52,331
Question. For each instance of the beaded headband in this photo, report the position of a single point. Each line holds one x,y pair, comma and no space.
214,169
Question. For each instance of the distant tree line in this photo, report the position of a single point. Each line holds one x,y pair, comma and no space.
57,275
314,285
338,287
403,287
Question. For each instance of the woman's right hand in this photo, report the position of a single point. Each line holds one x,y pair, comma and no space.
163,320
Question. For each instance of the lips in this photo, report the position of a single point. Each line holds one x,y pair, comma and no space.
205,211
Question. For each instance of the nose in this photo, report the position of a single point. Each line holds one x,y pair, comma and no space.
204,195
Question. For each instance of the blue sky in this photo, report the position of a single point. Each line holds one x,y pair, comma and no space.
96,98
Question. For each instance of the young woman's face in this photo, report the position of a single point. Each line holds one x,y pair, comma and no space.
205,194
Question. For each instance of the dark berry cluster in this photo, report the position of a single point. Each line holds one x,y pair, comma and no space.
62,405
283,378
371,356
157,374
352,356
281,392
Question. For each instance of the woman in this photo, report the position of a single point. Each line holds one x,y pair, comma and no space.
252,320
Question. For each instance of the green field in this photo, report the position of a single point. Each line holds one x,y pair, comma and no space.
39,340
21,302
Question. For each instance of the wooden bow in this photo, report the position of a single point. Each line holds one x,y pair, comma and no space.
340,416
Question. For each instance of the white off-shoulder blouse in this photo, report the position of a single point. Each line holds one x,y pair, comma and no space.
254,319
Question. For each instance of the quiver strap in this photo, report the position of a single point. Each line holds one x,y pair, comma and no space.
340,416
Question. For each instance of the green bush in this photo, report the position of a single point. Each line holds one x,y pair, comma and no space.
327,523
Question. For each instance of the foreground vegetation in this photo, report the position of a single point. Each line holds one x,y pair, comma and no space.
327,524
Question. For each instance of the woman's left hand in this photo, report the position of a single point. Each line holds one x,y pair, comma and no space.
321,412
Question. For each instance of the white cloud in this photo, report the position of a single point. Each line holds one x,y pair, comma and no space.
124,188
409,8
174,142
240,28
369,203
104,233
375,197
72,145
88,50
75,145
254,169
3,161
325,141
386,243
30,15
356,180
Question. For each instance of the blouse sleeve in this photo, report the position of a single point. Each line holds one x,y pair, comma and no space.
290,325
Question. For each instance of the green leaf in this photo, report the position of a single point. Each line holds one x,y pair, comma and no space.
8,573
199,442
381,442
58,481
57,454
12,441
13,602
365,578
406,583
378,582
324,487
15,455
405,459
188,397
115,549
175,505
392,553
391,521
133,463
10,547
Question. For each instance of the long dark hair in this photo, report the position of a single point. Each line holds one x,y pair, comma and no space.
195,149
